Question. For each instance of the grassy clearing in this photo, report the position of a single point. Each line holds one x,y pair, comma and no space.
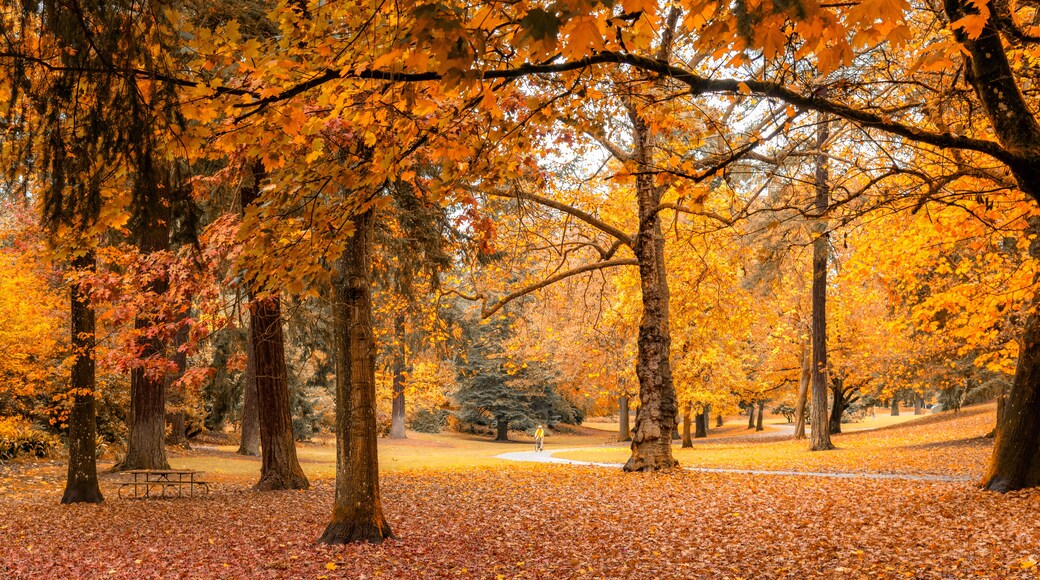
419,451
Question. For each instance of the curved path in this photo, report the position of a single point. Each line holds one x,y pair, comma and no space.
547,457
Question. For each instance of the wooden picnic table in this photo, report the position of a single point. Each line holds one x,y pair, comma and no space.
165,483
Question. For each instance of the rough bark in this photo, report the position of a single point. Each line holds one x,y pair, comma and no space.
761,413
502,430
1001,404
250,442
179,415
803,392
146,447
687,441
280,468
1009,112
895,406
918,404
837,407
624,431
397,408
81,484
821,437
658,409
357,515
1015,462
751,415
718,421
702,425
707,419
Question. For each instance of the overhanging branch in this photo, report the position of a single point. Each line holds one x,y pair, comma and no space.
568,209
486,311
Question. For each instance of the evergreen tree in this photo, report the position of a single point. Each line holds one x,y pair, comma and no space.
497,390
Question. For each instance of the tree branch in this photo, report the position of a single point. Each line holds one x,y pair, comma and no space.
583,216
486,312
697,84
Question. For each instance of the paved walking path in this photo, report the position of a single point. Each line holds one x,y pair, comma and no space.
547,457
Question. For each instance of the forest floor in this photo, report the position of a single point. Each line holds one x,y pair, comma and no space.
484,517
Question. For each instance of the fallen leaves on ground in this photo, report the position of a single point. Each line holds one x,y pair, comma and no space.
948,444
534,521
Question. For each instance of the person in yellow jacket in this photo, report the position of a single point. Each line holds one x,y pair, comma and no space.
538,436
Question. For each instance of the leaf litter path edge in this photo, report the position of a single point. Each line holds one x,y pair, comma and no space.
547,457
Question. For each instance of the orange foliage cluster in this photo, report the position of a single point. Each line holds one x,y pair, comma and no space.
538,522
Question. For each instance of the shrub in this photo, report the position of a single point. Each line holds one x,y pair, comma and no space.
18,437
429,421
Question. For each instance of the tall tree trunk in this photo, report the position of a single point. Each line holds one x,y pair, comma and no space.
837,408
624,431
357,515
1015,462
803,392
250,442
761,413
280,468
687,441
707,419
751,415
895,406
178,416
81,484
821,437
658,407
918,404
718,421
1016,451
397,409
702,424
146,448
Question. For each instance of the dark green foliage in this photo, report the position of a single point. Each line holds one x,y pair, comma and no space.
305,419
493,387
429,420
222,393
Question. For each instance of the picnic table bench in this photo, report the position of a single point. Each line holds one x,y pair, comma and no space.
151,483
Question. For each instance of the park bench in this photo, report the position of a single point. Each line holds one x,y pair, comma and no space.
165,483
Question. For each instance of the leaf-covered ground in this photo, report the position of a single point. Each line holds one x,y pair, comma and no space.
545,521
538,521
947,444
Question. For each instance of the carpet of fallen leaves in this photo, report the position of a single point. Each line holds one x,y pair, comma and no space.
533,521
946,444
561,521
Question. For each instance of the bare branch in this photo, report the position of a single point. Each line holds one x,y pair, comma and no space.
486,312
568,209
